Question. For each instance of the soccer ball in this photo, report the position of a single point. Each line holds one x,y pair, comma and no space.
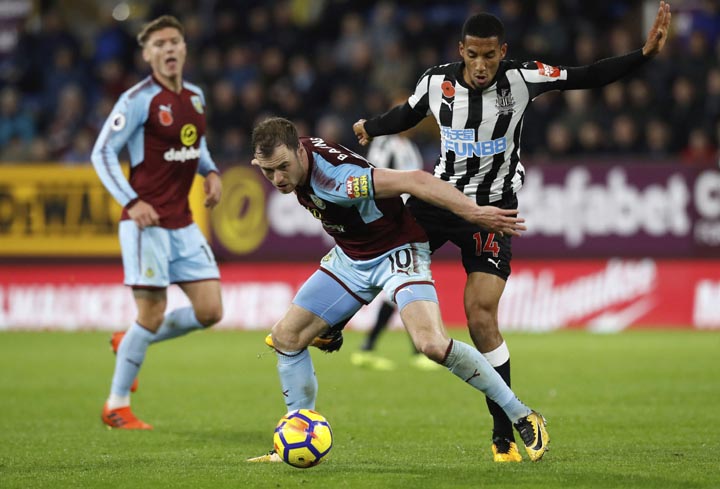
303,438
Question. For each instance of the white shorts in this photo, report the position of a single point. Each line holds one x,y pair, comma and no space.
156,257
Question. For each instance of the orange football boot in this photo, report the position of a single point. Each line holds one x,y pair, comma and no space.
115,340
122,419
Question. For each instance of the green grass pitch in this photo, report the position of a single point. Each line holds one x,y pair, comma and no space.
632,410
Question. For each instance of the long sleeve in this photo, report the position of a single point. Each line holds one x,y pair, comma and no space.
115,133
396,120
604,71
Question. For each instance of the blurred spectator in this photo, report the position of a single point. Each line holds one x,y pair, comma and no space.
15,120
641,101
64,70
232,147
223,107
330,128
591,140
548,38
613,104
697,59
112,42
516,23
210,65
394,69
621,41
559,140
585,49
272,65
685,111
578,108
67,120
302,75
252,96
112,78
541,113
700,150
658,140
240,67
625,135
383,30
352,39
80,149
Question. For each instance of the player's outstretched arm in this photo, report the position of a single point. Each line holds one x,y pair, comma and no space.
424,186
658,32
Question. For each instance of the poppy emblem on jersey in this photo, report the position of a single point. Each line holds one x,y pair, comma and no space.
547,70
165,115
317,201
188,134
505,102
357,187
197,103
448,89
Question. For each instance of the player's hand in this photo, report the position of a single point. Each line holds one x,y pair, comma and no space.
213,189
659,31
499,221
143,214
361,133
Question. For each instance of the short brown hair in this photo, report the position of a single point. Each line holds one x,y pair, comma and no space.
155,25
274,132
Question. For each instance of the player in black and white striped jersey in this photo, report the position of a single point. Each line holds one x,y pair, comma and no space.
479,104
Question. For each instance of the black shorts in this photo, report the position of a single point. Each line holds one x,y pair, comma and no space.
482,251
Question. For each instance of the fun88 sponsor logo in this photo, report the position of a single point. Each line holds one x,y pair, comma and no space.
462,143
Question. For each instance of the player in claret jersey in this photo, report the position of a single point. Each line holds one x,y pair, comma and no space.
479,104
379,247
161,121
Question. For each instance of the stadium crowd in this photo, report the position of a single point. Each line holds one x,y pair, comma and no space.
325,64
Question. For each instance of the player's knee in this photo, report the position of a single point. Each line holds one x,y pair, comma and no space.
482,321
209,316
286,340
433,348
150,321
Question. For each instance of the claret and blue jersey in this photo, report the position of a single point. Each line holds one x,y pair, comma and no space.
164,133
339,192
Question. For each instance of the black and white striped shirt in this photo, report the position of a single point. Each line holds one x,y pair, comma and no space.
480,129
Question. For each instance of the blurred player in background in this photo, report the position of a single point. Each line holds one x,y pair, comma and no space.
396,152
479,104
379,247
161,121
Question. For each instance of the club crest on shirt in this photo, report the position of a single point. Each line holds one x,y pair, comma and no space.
317,201
165,115
505,102
197,103
547,70
357,187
